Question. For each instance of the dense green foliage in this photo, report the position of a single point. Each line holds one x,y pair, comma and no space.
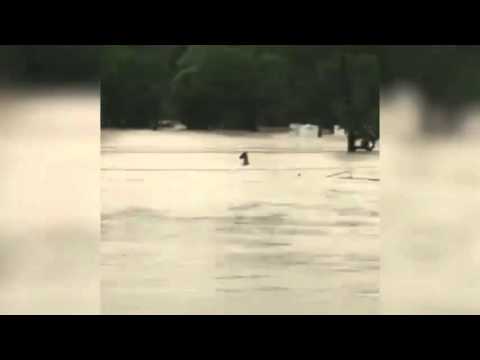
239,87
46,65
216,86
247,86
135,85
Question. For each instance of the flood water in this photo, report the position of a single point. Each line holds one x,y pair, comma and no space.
186,229
49,202
430,205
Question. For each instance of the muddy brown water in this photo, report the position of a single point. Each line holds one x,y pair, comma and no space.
186,229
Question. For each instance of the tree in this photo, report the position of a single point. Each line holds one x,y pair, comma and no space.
135,85
359,112
47,65
216,86
272,88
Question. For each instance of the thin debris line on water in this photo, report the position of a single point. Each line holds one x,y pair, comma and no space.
226,170
273,152
341,173
351,177
359,178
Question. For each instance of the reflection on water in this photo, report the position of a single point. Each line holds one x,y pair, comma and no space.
192,232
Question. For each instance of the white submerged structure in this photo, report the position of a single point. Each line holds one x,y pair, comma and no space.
307,130
339,131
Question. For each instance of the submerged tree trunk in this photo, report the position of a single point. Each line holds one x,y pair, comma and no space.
251,116
351,142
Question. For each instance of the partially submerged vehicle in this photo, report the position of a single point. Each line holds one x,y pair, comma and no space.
366,138
368,144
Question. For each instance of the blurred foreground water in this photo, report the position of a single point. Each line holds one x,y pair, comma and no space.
430,204
49,202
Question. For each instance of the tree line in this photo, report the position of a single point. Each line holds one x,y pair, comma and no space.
239,87
248,86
